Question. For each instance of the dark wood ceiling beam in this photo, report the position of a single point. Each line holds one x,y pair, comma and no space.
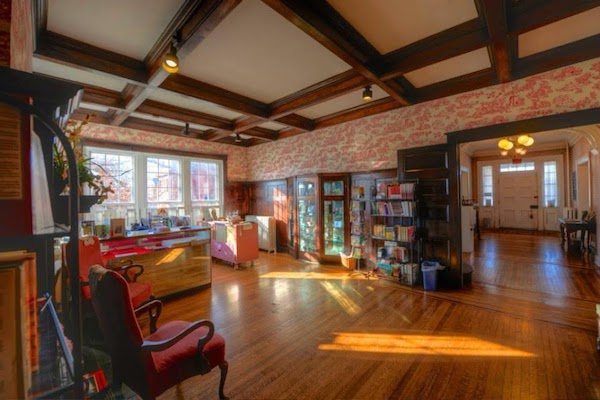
207,92
98,117
262,133
461,39
74,53
335,86
581,50
247,122
182,114
323,23
374,107
297,121
494,13
103,97
160,127
528,15
461,84
193,22
215,135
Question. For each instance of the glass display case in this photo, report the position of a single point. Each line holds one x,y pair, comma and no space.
307,214
334,208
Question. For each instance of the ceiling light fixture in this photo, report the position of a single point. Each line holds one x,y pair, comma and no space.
238,138
523,141
367,94
171,61
186,129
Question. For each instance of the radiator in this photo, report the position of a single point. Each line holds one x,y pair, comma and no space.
267,235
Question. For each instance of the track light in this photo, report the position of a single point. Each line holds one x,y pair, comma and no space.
367,94
171,61
186,129
238,138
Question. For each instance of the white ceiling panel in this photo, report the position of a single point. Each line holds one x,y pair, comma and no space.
568,30
192,103
349,100
77,75
273,126
451,68
389,25
129,27
257,53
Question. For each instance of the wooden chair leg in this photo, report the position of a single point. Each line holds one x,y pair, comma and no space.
224,366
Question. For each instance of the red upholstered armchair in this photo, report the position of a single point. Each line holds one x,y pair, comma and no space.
89,255
170,354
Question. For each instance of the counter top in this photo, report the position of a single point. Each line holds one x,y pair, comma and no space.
150,233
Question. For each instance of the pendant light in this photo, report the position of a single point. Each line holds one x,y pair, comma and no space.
171,61
367,94
238,138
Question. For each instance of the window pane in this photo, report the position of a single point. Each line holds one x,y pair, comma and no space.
163,180
550,184
117,172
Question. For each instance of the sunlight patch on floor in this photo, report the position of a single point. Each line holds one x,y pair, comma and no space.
437,345
342,298
312,275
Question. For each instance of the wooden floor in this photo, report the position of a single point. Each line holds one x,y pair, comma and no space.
524,329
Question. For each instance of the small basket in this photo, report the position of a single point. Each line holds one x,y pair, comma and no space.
348,261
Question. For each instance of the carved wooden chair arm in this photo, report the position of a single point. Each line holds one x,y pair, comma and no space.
149,346
124,270
154,309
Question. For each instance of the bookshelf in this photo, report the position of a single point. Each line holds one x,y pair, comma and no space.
393,231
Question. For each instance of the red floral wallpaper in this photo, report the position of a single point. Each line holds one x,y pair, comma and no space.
5,9
371,143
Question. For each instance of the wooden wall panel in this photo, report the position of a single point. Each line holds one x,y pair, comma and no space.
270,198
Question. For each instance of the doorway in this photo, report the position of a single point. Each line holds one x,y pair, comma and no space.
583,185
518,195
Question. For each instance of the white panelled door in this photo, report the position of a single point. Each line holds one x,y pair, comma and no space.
517,193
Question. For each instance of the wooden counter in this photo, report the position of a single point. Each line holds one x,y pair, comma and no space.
175,262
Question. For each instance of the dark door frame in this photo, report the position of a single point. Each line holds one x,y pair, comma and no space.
539,124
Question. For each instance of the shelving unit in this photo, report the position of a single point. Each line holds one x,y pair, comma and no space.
52,101
393,230
358,227
333,207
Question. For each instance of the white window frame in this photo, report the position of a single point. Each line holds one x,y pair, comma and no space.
142,206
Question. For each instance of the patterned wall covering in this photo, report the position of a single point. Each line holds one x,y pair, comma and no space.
371,143
237,166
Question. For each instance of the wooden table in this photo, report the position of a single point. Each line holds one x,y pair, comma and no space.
569,226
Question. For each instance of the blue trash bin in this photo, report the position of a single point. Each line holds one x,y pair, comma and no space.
430,274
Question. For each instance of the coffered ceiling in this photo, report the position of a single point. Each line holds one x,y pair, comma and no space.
272,69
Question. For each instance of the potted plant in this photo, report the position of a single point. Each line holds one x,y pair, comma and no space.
86,176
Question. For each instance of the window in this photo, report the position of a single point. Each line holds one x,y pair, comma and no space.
550,184
526,166
205,192
144,183
163,181
116,171
487,185
204,181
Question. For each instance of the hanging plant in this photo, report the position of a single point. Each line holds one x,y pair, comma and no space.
85,173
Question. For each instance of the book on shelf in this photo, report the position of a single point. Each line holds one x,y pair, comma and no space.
401,190
358,192
389,233
358,206
357,240
404,233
